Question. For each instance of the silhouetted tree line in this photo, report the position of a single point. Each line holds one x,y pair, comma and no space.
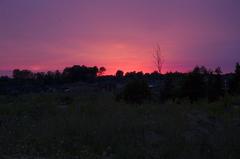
69,74
200,83
203,83
28,81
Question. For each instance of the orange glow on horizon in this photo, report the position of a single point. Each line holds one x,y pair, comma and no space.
114,56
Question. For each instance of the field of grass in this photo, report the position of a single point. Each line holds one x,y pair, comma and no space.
92,125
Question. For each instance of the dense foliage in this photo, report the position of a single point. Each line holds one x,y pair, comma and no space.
200,83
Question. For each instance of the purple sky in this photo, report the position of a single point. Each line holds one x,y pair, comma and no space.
119,34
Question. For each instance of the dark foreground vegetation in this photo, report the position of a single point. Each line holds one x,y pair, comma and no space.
79,113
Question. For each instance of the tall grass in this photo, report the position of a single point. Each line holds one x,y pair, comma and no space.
94,125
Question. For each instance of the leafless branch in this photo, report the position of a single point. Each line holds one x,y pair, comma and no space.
158,58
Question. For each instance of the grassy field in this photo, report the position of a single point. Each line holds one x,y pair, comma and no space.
92,125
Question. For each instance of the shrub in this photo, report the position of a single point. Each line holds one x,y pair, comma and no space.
136,92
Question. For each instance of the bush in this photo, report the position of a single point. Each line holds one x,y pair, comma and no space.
195,86
136,92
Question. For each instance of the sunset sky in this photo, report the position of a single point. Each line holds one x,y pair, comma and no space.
119,34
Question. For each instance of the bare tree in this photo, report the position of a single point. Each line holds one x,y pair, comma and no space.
158,58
